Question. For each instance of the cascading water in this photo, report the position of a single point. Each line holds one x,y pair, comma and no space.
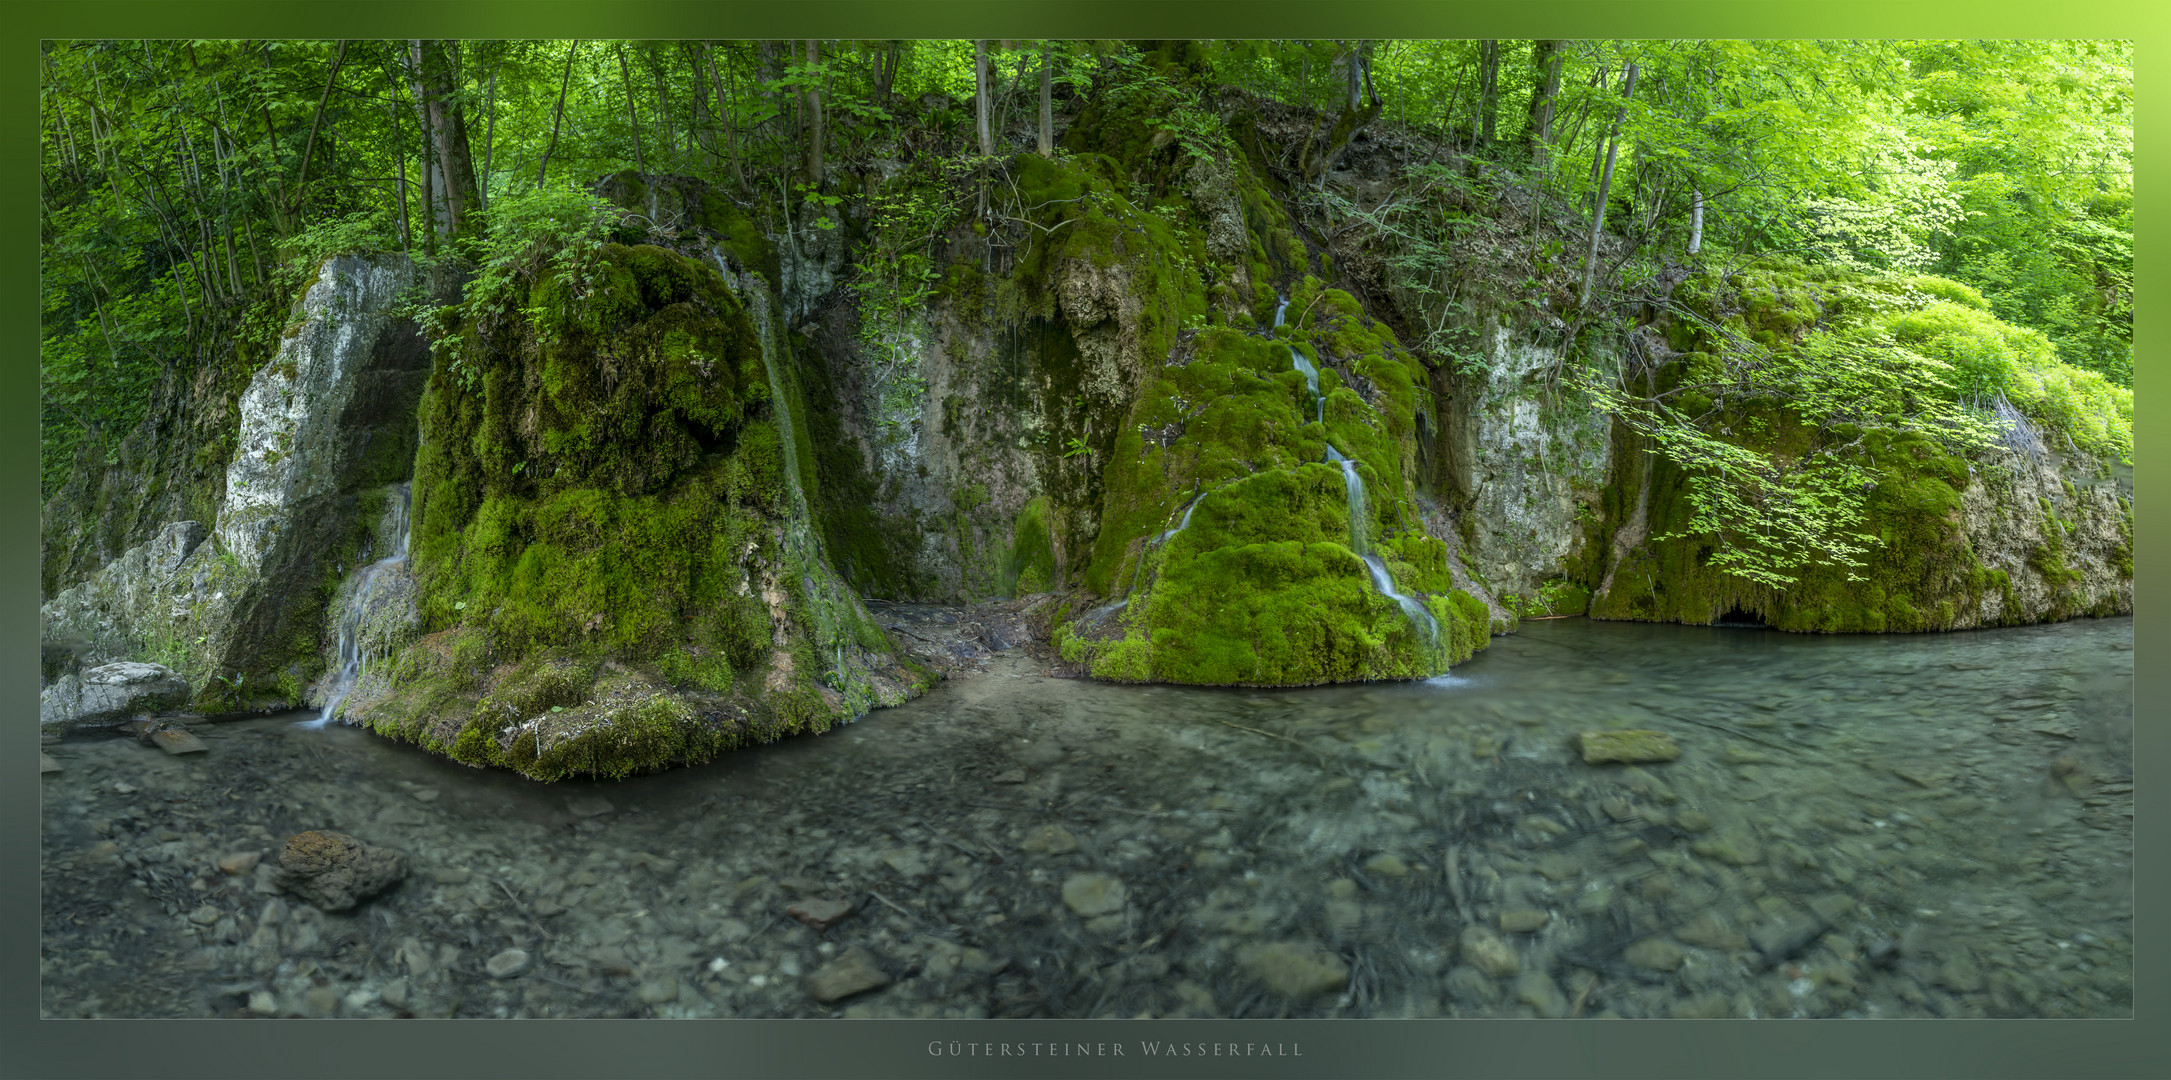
1358,514
1311,374
352,657
1381,579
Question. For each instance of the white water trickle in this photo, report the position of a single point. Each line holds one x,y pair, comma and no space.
1311,374
352,658
1381,579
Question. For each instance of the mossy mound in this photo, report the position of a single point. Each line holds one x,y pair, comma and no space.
1920,569
1230,537
613,565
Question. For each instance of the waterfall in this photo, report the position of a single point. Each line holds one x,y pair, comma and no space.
1311,374
352,658
1359,518
757,306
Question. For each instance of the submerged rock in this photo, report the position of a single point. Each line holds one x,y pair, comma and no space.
108,693
1295,970
335,871
1629,747
1093,894
855,972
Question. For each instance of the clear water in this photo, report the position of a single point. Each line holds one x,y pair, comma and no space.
1924,826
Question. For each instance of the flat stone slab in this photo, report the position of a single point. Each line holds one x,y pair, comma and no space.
1627,747
46,763
855,972
820,914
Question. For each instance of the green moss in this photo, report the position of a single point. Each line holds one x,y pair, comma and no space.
1030,567
605,502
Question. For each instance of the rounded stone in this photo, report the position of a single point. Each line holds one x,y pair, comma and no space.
1484,950
507,964
1295,970
1093,894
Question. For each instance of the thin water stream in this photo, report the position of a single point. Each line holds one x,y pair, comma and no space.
1875,826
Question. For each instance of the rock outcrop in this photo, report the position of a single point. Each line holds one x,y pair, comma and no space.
109,693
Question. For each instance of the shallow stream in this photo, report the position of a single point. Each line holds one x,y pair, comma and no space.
1919,825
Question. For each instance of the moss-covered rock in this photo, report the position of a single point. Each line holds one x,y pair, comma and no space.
616,568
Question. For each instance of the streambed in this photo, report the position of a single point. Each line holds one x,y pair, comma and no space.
1906,825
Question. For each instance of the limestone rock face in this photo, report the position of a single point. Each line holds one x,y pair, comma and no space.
328,401
335,871
2063,538
125,610
326,426
109,693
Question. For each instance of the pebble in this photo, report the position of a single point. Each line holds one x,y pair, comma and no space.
820,914
1471,986
205,915
1695,821
507,964
1049,839
1486,952
588,806
1731,848
1093,894
123,787
1631,747
1523,920
323,999
263,1003
1295,970
425,794
178,741
1386,865
1655,954
1708,932
1538,990
394,993
658,991
855,972
240,864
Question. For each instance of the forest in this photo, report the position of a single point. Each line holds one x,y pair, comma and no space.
188,186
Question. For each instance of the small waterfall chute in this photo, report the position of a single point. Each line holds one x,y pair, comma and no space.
353,657
1353,484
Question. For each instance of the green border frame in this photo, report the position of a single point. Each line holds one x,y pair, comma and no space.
209,1048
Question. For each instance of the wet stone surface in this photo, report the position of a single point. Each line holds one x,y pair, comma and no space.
1855,826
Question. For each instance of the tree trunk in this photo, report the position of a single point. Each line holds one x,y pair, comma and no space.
1047,100
1488,109
433,213
1696,220
633,117
1613,146
982,107
316,121
724,113
814,115
888,76
1547,55
704,123
557,118
1354,79
489,139
447,128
